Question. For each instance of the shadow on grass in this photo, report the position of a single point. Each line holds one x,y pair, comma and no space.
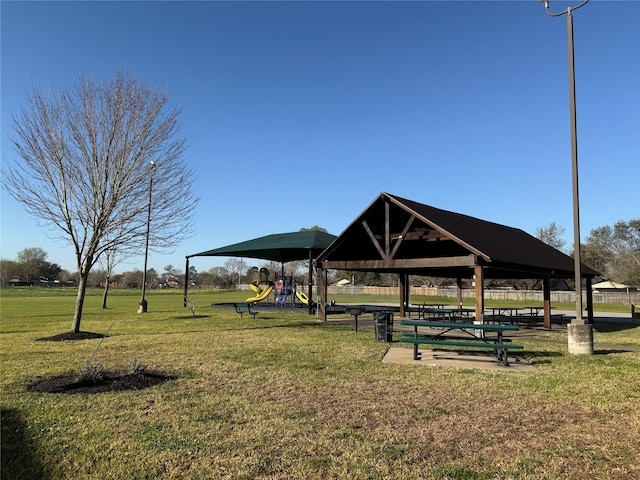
604,327
261,323
538,358
541,358
19,459
610,351
189,317
265,326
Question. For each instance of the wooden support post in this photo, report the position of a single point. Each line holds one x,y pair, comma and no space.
479,292
407,290
546,293
402,279
589,289
387,232
322,301
459,285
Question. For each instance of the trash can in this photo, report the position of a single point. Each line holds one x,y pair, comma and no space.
383,322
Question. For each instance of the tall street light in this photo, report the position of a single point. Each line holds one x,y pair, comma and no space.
580,333
142,306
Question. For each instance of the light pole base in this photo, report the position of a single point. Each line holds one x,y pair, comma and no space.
142,306
580,338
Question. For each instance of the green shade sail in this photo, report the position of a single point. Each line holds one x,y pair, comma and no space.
278,247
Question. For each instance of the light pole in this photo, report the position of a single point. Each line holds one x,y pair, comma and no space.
580,333
142,306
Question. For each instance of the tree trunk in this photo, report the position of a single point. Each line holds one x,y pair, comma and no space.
106,292
82,290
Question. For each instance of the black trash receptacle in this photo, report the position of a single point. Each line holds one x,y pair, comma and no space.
383,322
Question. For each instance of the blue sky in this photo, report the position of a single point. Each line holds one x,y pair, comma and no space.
300,113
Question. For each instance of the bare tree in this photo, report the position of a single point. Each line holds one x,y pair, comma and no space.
552,235
84,170
234,267
108,260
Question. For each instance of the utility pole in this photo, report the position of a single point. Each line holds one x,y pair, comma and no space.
580,333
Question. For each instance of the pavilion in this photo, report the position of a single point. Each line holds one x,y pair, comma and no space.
396,235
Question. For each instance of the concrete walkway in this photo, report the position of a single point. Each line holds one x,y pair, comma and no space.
456,359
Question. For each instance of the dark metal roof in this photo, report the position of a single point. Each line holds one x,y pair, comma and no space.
398,235
279,247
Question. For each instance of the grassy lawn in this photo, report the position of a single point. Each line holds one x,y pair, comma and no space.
288,397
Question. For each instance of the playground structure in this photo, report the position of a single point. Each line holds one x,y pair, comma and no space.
284,290
302,297
278,247
260,293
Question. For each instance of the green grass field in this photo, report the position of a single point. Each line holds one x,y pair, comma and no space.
288,397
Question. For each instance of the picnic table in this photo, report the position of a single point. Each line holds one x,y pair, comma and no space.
473,335
421,308
448,314
513,314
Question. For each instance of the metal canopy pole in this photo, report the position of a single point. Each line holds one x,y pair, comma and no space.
310,283
185,294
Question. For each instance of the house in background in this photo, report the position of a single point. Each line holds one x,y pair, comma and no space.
609,286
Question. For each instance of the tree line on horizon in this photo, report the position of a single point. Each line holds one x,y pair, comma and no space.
614,251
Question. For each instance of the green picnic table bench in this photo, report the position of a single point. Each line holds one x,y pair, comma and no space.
475,337
243,308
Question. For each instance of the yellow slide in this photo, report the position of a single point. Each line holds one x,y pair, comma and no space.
264,294
255,286
302,297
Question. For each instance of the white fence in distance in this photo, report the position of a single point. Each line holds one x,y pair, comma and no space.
510,295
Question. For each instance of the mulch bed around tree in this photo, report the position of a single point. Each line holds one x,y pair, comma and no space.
110,381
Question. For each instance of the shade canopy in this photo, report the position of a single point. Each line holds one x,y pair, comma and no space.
278,247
